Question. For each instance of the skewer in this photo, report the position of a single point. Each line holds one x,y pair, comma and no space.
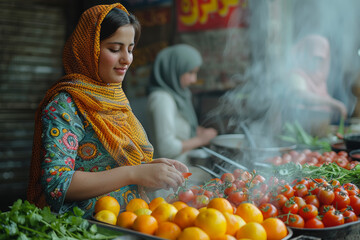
228,160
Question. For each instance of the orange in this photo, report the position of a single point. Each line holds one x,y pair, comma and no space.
168,230
185,217
107,203
145,224
275,228
135,204
233,223
221,204
225,237
126,219
212,221
179,205
193,233
249,212
106,216
202,209
164,212
156,202
252,230
142,211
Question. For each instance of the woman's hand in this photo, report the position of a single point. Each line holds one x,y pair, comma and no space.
160,173
206,134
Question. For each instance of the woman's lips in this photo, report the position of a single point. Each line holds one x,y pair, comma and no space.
120,71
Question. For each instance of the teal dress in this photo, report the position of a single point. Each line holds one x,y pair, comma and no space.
70,145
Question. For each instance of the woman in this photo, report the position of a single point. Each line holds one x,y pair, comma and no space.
174,128
310,74
87,141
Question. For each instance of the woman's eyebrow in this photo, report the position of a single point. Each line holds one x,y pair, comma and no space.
120,43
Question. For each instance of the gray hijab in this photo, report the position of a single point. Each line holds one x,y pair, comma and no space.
170,64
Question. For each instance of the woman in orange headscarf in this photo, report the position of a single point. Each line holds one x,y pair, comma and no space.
87,141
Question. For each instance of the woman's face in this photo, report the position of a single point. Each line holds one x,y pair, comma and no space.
116,54
189,78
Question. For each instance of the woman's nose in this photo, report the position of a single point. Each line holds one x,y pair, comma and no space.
125,57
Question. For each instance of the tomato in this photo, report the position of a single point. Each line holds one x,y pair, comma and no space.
259,178
229,190
200,201
294,220
341,162
301,181
326,196
268,210
308,211
186,195
186,174
279,201
237,197
209,194
333,218
325,208
312,199
196,189
246,176
227,177
287,191
290,206
314,223
341,200
313,188
300,190
351,189
299,201
335,183
239,183
355,204
343,154
349,215
237,173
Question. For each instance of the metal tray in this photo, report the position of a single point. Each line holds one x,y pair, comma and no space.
128,234
346,231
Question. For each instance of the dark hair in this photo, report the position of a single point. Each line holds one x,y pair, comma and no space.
117,18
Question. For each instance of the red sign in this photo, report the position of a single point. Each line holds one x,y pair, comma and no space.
195,15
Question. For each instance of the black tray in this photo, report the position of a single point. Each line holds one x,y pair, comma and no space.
346,231
128,234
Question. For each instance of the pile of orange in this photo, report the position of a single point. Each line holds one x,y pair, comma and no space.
219,220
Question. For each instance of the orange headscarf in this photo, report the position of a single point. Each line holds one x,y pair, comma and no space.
104,106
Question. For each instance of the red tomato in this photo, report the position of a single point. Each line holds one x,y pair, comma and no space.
312,199
237,173
239,183
308,211
355,204
229,190
341,162
313,188
300,190
314,223
246,176
237,197
186,174
341,200
186,195
351,189
326,196
325,208
349,215
268,210
290,206
227,177
287,191
333,218
209,194
279,201
294,220
299,201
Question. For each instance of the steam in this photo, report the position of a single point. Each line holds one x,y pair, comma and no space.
265,101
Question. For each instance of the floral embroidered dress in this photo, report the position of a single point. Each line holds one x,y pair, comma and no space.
70,145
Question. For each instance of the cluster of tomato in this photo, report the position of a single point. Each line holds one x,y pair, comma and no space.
309,157
304,203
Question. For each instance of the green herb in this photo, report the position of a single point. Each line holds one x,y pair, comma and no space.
26,221
295,133
291,171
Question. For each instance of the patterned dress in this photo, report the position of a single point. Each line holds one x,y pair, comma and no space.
70,145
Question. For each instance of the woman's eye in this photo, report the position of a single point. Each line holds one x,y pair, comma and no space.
114,50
